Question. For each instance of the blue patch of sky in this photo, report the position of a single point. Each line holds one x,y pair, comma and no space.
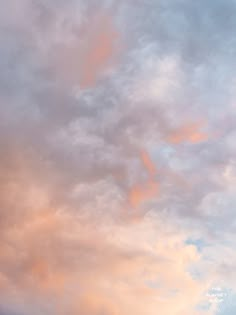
198,243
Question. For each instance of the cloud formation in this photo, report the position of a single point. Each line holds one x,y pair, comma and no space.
117,164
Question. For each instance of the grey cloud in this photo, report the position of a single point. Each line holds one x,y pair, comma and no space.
117,127
82,146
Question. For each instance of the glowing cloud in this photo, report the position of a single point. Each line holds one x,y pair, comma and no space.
84,58
100,48
148,164
146,191
189,133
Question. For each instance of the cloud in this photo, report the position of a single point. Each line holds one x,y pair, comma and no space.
189,133
140,193
117,147
148,164
83,59
88,270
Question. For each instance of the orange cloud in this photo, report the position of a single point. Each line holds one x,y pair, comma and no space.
140,194
147,163
143,192
87,268
189,133
99,50
58,254
82,59
46,277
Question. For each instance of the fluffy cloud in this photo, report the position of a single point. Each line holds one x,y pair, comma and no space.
117,156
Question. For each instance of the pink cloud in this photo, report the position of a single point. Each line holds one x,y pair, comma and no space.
191,133
83,59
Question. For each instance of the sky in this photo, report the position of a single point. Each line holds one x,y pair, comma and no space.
117,157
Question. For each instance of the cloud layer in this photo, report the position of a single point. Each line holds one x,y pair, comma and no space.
117,164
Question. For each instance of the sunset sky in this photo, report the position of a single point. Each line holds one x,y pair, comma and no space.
117,157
